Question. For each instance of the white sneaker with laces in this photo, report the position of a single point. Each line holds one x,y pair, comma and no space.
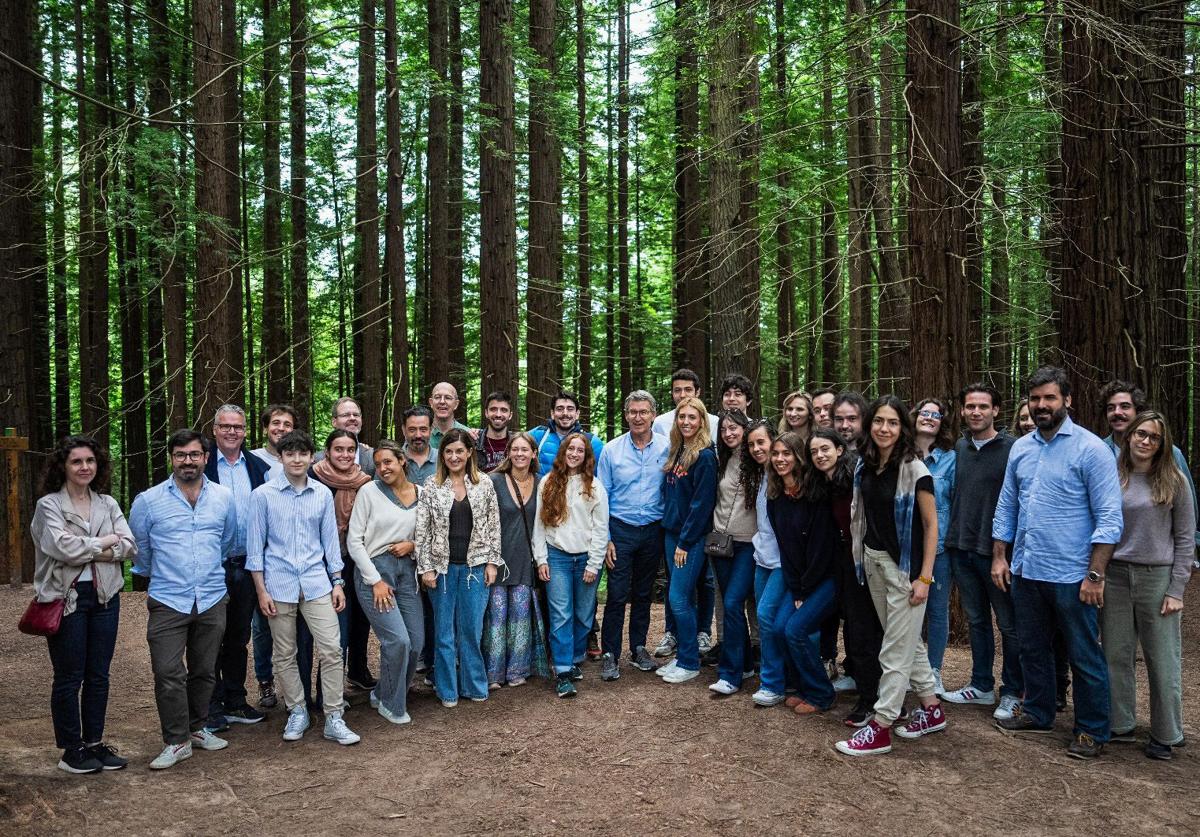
705,642
171,755
388,715
664,670
297,724
765,697
1008,708
845,683
336,730
205,740
666,645
938,689
723,687
680,675
969,694
374,699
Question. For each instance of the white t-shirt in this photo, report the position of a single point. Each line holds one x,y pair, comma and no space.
273,462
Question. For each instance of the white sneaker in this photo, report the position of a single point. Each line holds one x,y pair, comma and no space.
666,645
845,683
374,700
205,740
680,675
449,704
664,670
171,755
938,688
297,724
723,687
1009,706
336,730
765,697
705,642
388,715
969,694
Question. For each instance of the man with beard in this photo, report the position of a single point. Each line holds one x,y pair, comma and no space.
347,415
849,407
1060,513
492,442
420,461
277,421
564,420
185,527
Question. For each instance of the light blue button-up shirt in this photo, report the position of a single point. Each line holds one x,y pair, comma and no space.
236,478
941,465
181,547
633,477
1059,498
292,539
1180,463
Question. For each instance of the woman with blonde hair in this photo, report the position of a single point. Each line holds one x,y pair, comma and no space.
1145,580
458,558
797,415
689,496
570,535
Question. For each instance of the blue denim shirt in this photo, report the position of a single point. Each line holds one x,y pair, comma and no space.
1180,462
292,539
633,478
181,547
1059,498
941,465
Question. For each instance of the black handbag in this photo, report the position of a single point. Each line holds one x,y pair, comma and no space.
720,544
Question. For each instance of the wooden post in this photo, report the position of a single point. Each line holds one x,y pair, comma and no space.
12,445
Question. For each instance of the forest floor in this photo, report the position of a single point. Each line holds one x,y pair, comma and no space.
630,757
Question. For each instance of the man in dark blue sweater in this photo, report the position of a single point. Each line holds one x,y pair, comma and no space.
982,455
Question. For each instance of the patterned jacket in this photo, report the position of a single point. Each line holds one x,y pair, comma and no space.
433,526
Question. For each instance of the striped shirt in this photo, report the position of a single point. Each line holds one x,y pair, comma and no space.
292,539
181,547
236,478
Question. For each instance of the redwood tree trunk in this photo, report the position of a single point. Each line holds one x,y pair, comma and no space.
437,350
371,315
393,236
274,362
301,342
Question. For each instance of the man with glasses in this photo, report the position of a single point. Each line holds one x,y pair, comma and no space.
185,527
347,415
631,470
239,470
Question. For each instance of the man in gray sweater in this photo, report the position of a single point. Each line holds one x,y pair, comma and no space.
982,455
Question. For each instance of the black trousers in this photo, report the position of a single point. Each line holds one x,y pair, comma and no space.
862,632
360,626
229,688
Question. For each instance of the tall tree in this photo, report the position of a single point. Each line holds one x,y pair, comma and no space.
231,104
497,204
58,243
610,221
543,322
301,344
455,207
583,247
393,235
436,352
830,301
624,330
275,365
787,370
690,340
749,146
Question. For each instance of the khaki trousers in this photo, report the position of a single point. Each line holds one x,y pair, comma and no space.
903,657
322,622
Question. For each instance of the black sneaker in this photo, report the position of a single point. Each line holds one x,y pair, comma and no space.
79,760
575,673
1158,750
711,657
861,715
243,715
107,756
217,722
1123,738
1020,723
363,680
641,659
267,698
565,688
1084,747
609,669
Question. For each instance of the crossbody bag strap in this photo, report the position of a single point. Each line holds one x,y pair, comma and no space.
521,505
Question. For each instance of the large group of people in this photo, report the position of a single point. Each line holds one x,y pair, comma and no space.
476,556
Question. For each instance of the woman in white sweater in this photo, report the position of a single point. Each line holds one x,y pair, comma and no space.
569,537
381,542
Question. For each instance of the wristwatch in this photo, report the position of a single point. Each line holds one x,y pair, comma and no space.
1094,577
339,581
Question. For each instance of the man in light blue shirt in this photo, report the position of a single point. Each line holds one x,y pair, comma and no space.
1060,513
184,528
292,551
631,471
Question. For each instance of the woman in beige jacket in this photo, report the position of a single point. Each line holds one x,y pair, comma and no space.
458,557
80,541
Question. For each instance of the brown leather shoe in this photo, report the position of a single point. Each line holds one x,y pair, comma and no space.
805,708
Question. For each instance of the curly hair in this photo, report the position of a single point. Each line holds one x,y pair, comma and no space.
553,507
55,474
724,452
750,473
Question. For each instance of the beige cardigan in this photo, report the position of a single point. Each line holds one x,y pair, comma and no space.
64,544
433,525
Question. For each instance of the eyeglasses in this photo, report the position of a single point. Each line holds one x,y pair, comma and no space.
1147,436
231,428
930,414
187,455
639,413
349,415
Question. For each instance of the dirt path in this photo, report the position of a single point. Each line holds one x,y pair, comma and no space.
631,757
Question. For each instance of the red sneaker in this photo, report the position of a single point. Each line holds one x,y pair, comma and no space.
923,722
871,740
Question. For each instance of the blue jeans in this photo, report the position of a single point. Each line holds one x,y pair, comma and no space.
980,597
572,606
937,612
801,628
401,630
630,582
80,653
458,605
735,579
705,596
1039,606
683,601
771,593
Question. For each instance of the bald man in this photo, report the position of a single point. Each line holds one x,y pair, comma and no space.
443,400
